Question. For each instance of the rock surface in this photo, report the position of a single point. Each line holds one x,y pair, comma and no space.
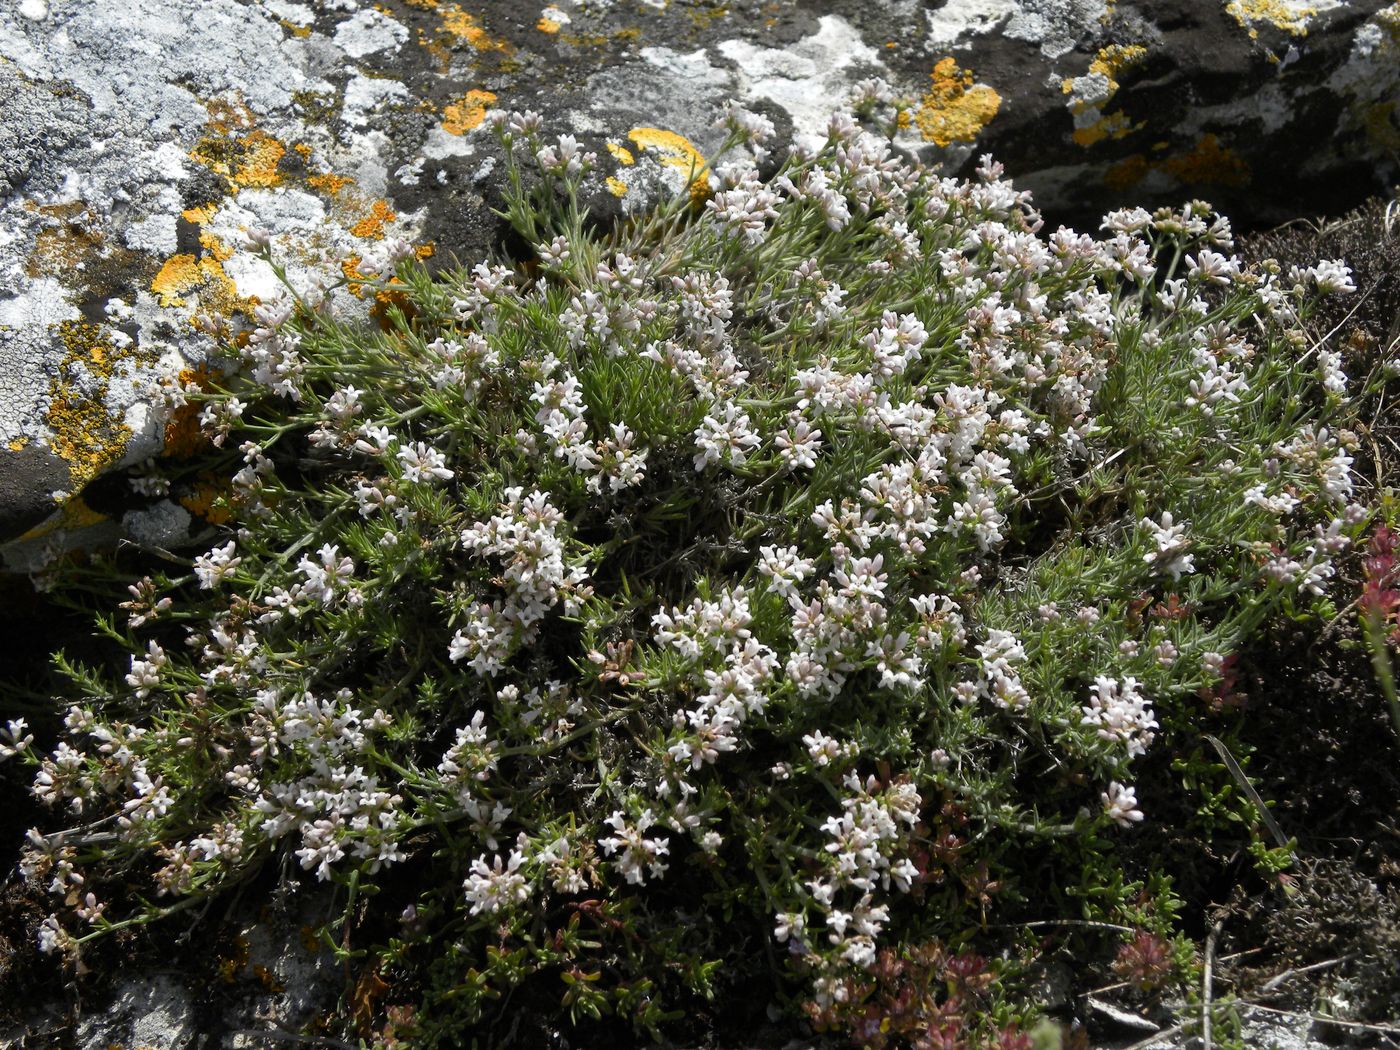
143,139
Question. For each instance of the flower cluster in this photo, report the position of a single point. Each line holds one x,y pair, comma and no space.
761,568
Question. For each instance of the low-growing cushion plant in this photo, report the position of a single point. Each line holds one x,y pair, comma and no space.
771,596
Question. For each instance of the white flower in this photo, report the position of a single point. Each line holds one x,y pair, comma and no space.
785,569
327,575
640,855
724,435
1332,277
216,566
1170,556
497,887
1120,803
145,674
14,739
422,462
1121,712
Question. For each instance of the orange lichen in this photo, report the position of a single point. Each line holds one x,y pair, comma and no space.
547,25
675,152
385,300
209,500
59,250
1127,173
329,183
955,109
371,227
179,274
621,154
467,28
467,112
425,251
183,436
1208,161
215,246
354,283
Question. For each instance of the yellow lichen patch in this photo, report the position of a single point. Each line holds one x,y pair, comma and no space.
203,213
467,112
1115,59
183,275
704,17
1093,91
294,29
371,227
215,246
258,166
178,275
329,183
425,251
1382,128
83,432
1291,18
467,28
1115,125
621,154
18,444
955,109
616,186
1208,161
247,161
675,152
547,25
75,514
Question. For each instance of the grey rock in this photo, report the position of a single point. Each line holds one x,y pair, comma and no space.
143,139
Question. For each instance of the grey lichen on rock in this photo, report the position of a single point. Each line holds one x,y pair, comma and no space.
144,139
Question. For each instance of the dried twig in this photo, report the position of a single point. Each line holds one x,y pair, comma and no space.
1248,789
1278,979
1206,989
